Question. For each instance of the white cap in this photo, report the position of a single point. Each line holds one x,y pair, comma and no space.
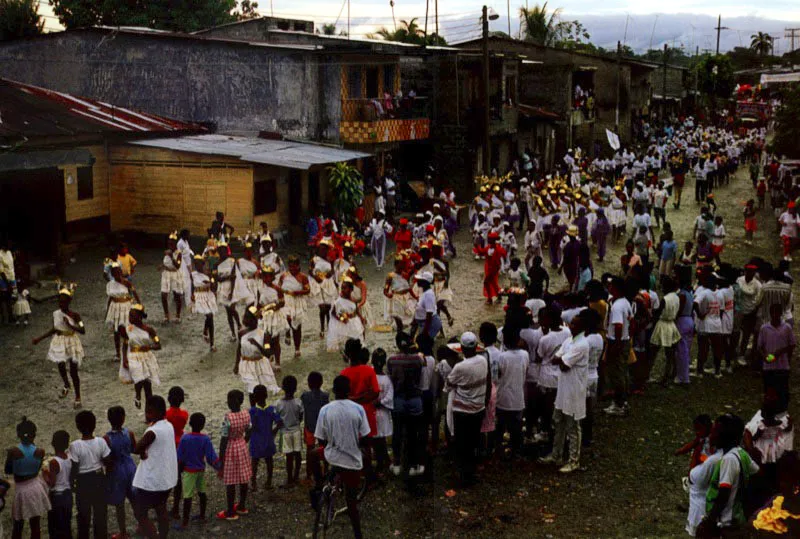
469,340
436,206
524,180
424,276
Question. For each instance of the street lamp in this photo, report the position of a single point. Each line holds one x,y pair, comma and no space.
487,15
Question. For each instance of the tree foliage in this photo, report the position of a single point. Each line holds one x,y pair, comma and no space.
715,76
409,32
247,10
787,128
539,25
19,18
761,43
173,15
347,186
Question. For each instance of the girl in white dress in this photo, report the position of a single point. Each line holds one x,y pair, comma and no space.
172,278
323,287
665,332
441,282
399,300
121,295
296,288
252,364
186,267
227,274
204,300
65,347
384,408
273,316
270,257
247,287
345,322
360,297
139,365
378,230
22,306
343,263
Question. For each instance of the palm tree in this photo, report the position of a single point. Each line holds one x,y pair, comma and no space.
409,32
761,43
329,29
539,25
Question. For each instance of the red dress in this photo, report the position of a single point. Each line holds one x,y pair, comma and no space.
362,379
178,417
237,469
491,269
403,239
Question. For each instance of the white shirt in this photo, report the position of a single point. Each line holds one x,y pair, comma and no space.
719,235
7,264
774,440
511,384
619,313
426,304
427,374
789,224
535,305
341,424
531,338
709,302
159,471
595,342
730,475
548,345
467,380
725,296
572,384
88,455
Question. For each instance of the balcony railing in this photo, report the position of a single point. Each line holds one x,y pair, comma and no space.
370,121
375,109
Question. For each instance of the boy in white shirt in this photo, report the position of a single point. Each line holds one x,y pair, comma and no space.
554,335
513,367
572,358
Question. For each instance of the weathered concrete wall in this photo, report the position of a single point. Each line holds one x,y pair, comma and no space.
239,87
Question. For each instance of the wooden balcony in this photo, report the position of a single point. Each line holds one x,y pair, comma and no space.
373,121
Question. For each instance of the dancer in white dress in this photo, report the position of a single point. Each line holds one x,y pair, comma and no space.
399,300
252,364
121,295
323,287
246,289
22,306
227,273
65,347
378,230
296,288
269,257
271,303
186,267
360,297
345,320
204,301
343,263
139,365
172,278
441,281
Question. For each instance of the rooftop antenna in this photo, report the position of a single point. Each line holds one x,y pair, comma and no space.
394,21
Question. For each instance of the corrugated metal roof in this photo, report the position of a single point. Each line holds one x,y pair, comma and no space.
31,111
281,153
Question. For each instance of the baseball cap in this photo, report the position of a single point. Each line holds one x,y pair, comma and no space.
469,340
424,276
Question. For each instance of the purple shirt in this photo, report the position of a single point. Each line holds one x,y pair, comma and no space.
770,339
195,450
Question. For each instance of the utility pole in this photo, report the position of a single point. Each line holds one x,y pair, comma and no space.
508,9
619,68
436,15
664,87
790,33
485,89
719,28
425,34
348,19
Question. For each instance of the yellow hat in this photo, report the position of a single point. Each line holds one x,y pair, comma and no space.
65,292
253,310
222,244
248,245
266,268
137,307
173,235
198,257
572,230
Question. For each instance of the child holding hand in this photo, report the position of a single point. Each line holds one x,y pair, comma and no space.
236,466
194,451
265,421
699,447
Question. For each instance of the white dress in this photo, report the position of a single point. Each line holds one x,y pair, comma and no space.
273,321
120,305
323,293
204,300
441,288
401,305
295,305
65,345
274,261
254,368
386,405
665,332
22,306
366,312
171,276
142,362
186,269
340,268
225,271
345,324
245,291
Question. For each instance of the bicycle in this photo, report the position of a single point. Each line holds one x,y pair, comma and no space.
332,491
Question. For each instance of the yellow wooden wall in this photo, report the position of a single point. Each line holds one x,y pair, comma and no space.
98,205
157,191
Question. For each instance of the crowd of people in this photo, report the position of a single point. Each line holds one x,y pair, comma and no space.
539,376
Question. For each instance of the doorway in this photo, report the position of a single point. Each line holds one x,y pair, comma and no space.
295,197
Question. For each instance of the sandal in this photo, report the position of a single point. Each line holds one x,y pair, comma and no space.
137,403
240,511
223,515
297,354
77,405
64,392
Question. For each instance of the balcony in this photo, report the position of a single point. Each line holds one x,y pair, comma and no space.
374,121
582,116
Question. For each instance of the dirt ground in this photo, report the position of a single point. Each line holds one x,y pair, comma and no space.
630,486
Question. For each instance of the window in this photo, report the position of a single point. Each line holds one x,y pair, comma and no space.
372,82
265,197
388,79
85,183
354,82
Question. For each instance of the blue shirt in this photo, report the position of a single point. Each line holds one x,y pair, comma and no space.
195,450
668,249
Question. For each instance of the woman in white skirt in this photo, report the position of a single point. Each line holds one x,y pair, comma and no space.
187,255
139,365
345,321
65,347
665,333
343,263
246,291
227,274
121,294
172,278
252,364
269,257
441,281
296,288
616,215
204,300
360,297
399,301
271,303
323,286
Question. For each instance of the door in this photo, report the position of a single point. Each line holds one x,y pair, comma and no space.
313,192
295,197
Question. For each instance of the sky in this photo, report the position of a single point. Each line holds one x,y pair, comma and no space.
679,23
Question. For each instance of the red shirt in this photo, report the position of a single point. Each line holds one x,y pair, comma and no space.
178,417
403,239
363,379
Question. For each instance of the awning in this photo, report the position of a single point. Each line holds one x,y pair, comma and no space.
280,153
44,159
529,111
777,78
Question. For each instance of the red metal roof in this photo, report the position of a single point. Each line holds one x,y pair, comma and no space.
537,112
28,110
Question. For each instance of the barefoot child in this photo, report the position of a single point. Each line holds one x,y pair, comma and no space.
313,400
119,481
264,419
384,405
194,451
59,518
90,455
30,493
699,446
290,411
236,466
22,306
177,417
750,223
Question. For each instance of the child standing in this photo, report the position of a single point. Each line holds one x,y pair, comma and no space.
59,518
194,451
177,417
236,466
750,223
290,410
22,307
700,446
718,241
30,492
264,420
517,276
119,482
313,400
761,193
384,406
126,261
90,455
